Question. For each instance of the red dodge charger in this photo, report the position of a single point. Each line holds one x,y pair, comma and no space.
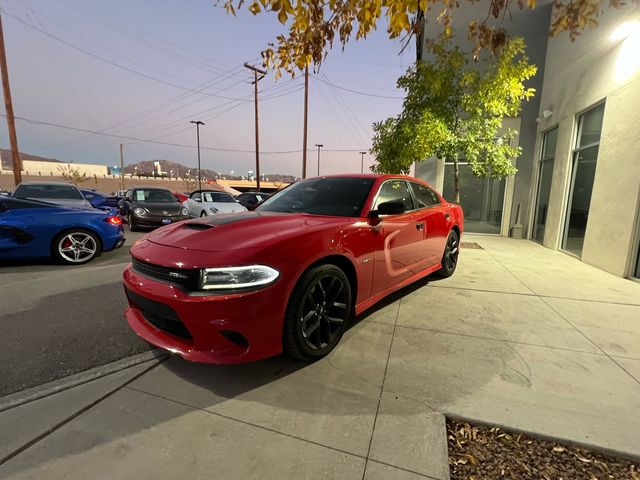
289,275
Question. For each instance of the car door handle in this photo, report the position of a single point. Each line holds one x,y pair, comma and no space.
446,215
419,226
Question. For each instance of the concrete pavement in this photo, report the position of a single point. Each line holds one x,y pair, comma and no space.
521,337
57,321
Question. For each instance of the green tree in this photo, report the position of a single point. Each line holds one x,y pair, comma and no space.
314,25
455,108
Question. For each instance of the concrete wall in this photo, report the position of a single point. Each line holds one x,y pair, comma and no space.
577,76
32,167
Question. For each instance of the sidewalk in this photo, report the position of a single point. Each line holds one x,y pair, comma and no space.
520,336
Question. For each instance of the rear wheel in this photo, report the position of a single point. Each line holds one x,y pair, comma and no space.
317,314
450,256
76,247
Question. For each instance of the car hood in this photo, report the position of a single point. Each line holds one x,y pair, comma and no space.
235,231
226,207
160,208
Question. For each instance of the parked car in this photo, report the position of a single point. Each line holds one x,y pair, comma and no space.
181,196
202,203
100,199
151,207
59,193
34,229
250,200
289,275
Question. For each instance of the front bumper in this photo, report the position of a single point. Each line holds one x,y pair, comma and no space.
152,221
220,328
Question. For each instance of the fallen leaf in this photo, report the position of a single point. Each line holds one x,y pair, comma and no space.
558,449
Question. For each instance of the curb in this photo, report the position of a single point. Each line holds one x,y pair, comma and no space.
35,393
549,438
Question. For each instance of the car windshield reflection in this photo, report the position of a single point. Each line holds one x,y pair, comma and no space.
341,197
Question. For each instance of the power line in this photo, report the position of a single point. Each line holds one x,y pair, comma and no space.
115,64
355,91
146,140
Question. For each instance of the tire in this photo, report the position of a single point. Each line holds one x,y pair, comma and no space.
203,214
76,247
450,256
311,327
132,227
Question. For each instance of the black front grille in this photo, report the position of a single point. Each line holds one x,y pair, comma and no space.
160,315
184,277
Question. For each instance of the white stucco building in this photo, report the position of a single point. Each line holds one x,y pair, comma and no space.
578,183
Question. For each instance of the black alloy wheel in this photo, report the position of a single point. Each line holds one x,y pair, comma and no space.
318,312
450,255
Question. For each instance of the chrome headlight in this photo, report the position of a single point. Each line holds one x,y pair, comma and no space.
227,278
184,211
139,211
214,210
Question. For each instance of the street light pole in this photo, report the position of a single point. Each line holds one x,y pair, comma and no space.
362,161
319,145
197,124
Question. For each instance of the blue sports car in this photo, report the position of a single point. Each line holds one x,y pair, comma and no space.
33,229
100,199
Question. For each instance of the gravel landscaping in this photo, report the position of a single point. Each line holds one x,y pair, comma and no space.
486,453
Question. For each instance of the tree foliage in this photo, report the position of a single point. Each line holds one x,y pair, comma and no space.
455,108
314,25
72,174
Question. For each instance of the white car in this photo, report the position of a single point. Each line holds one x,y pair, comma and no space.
202,203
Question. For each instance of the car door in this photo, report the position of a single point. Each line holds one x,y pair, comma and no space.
399,253
436,221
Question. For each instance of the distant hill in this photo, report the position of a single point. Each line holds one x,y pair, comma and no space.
6,158
146,167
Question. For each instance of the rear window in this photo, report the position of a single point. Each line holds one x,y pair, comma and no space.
57,192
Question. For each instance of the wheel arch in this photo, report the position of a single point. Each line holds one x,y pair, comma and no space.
342,262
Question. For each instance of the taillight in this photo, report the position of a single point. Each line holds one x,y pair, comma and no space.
114,220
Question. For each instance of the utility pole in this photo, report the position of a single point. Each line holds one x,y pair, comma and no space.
319,145
197,123
121,167
306,106
256,79
11,124
362,154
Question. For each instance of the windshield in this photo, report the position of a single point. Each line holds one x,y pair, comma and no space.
342,197
57,192
218,197
153,195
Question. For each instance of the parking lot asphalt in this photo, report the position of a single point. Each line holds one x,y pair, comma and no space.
59,320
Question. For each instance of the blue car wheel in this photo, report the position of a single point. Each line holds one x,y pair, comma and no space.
75,247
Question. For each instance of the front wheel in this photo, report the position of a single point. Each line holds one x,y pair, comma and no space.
450,256
76,247
132,226
317,314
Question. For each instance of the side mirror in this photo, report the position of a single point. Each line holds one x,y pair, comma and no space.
391,208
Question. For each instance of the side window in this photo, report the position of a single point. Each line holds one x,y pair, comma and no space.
129,195
396,191
424,195
196,196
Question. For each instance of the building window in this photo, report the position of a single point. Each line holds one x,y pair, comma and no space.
482,199
585,156
545,176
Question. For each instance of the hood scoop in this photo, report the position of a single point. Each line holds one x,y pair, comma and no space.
197,226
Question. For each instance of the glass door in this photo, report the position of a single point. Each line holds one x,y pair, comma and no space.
585,156
545,177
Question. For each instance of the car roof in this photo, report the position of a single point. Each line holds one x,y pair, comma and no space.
150,188
35,182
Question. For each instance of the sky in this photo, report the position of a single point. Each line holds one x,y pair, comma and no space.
142,69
